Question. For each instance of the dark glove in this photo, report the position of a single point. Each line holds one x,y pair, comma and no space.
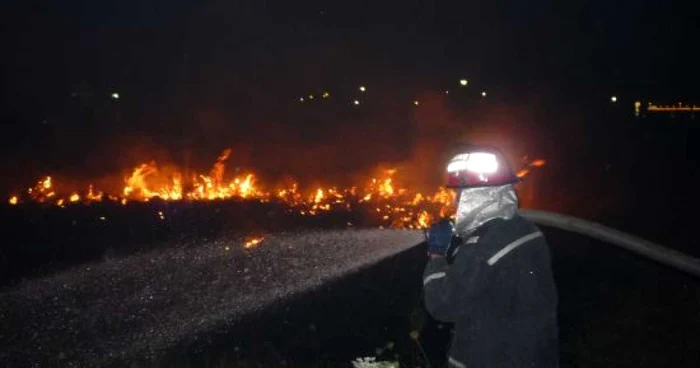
440,237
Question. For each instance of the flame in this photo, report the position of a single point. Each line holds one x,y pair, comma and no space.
136,183
530,165
382,196
92,196
252,242
246,187
42,191
424,220
319,196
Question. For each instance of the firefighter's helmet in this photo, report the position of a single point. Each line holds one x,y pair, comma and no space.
479,167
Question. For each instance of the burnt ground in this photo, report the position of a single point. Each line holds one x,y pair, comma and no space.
616,309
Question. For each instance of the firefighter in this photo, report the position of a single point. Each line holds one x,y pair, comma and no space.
490,273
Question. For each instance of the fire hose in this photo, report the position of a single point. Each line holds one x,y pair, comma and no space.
643,247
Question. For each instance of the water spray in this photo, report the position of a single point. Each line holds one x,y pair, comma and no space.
169,295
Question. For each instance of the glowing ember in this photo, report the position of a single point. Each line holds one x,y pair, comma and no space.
252,242
382,196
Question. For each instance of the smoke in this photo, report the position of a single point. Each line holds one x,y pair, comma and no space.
317,142
442,127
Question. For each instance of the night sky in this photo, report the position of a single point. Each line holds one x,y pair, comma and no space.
196,77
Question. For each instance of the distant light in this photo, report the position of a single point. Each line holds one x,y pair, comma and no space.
356,102
14,200
447,92
326,95
483,93
416,103
301,99
463,82
115,96
311,97
363,89
613,99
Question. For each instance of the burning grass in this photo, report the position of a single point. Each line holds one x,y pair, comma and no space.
390,201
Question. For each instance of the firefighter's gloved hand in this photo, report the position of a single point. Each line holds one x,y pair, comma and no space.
439,237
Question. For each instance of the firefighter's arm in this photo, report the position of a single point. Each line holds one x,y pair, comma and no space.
447,287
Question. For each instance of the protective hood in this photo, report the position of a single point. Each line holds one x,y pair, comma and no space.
476,206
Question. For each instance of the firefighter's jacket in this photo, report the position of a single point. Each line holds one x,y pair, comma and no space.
498,290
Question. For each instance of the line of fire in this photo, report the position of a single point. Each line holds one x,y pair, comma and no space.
388,199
